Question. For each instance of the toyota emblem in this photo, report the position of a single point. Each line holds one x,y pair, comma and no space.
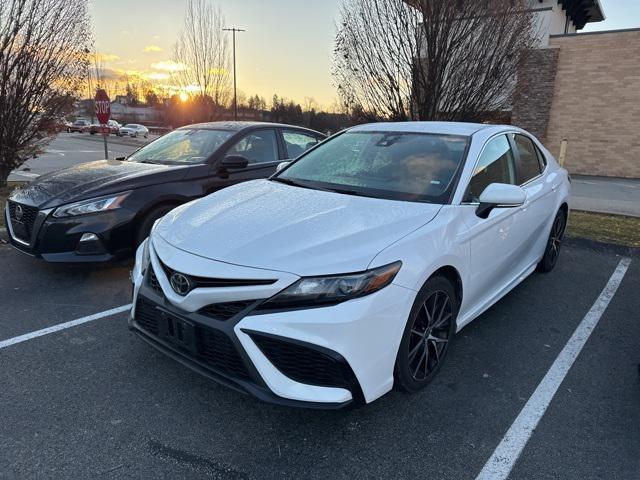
180,283
19,212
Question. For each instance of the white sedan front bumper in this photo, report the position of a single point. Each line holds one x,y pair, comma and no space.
363,334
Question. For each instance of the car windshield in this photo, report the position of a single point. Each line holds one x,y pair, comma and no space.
416,167
184,146
130,125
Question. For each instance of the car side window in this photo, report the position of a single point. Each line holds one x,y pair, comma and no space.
527,163
258,147
298,142
542,159
495,165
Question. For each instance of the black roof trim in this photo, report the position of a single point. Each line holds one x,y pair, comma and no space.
599,32
238,126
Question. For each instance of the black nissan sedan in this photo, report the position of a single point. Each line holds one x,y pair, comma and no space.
100,211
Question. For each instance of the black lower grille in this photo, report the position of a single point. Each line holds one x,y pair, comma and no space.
147,317
304,364
153,281
212,347
225,311
22,219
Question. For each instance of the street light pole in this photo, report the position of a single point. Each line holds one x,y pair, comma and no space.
235,90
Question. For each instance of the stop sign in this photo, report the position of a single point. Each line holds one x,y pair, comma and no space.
102,106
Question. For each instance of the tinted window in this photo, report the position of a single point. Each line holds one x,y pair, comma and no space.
401,166
257,147
298,142
527,164
542,159
495,165
182,146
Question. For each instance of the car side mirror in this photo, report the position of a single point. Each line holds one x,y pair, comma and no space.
500,195
234,162
282,165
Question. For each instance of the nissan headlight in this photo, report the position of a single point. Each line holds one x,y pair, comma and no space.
94,205
330,290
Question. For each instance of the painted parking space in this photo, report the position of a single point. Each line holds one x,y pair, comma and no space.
92,400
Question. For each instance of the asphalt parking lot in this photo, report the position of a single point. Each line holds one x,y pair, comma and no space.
93,401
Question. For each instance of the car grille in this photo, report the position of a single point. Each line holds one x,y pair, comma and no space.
153,281
217,311
23,227
200,282
212,347
304,364
225,311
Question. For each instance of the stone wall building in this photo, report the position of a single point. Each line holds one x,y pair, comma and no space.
585,88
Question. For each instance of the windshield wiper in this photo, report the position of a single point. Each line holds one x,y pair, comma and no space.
347,191
298,183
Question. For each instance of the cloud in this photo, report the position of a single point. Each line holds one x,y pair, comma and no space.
156,76
169,66
152,48
109,57
109,74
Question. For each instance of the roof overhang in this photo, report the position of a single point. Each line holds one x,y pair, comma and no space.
582,12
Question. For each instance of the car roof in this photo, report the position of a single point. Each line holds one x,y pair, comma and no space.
450,128
238,126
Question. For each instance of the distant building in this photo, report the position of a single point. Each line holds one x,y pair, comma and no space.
124,113
582,87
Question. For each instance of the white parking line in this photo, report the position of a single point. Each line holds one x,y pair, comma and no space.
63,326
504,457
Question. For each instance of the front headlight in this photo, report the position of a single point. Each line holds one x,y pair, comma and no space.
318,291
101,204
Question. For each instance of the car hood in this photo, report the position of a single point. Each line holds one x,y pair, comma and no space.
92,179
265,224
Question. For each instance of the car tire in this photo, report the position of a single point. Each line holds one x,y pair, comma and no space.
427,336
147,222
554,242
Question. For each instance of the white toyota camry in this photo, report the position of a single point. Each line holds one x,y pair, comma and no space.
350,270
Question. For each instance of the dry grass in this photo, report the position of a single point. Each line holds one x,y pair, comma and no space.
618,229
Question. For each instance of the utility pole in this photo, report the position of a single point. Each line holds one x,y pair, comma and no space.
235,90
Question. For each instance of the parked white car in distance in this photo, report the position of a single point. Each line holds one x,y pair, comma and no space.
350,270
133,130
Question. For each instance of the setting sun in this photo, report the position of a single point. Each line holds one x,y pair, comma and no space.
184,96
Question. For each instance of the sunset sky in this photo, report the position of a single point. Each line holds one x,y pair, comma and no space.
285,50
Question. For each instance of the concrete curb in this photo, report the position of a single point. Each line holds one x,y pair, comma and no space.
601,246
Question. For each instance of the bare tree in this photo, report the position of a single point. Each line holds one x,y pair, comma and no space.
203,51
44,46
431,59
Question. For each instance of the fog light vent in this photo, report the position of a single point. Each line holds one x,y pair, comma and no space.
90,244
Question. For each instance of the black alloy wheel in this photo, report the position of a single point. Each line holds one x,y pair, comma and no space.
428,334
552,251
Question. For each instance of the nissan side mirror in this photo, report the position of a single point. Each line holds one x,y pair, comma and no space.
234,162
500,195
